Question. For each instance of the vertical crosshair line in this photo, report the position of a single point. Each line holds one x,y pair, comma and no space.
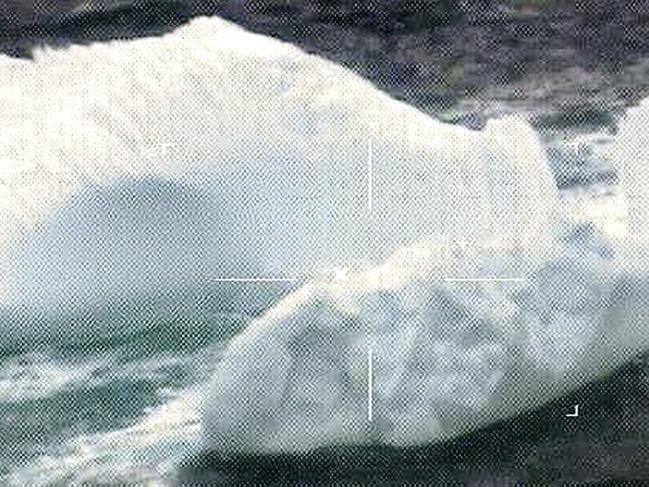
370,201
370,176
369,385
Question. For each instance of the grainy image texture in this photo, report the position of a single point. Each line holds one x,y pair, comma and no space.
324,243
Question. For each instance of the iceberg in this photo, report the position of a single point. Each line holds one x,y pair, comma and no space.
162,164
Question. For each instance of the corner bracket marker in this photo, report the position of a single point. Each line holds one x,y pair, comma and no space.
575,414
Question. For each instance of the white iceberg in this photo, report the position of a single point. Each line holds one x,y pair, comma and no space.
136,167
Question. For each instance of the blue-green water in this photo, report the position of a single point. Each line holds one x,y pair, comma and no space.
67,408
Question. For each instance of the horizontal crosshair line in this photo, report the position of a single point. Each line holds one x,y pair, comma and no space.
256,279
295,279
485,279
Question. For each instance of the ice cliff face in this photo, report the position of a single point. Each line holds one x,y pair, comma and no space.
448,356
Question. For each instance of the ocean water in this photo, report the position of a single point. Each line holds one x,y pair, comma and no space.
169,170
113,409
